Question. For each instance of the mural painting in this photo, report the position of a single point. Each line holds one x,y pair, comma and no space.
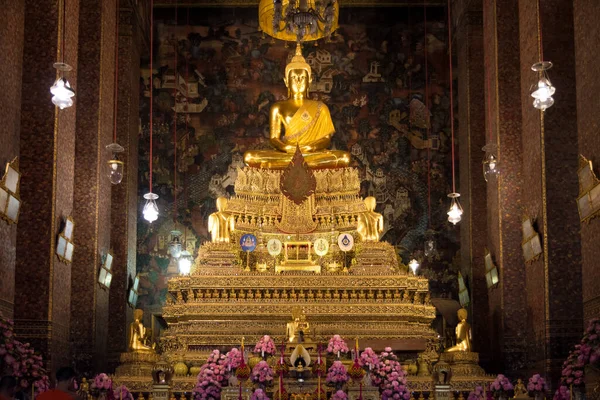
221,75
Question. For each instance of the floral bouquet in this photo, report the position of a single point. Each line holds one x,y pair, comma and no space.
477,394
122,393
562,393
390,377
590,344
265,346
337,345
233,358
102,382
388,362
337,374
368,359
207,386
572,373
262,374
501,386
536,385
20,360
339,395
259,394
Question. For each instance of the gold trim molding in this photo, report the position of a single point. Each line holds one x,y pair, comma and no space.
254,3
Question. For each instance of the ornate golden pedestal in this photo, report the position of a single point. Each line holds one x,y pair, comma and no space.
136,368
463,363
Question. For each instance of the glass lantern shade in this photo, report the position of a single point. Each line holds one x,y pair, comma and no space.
543,104
185,263
455,212
414,266
150,209
115,171
175,245
490,166
62,93
544,90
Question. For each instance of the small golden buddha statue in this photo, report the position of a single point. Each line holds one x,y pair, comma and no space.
138,340
370,223
463,333
306,123
220,223
298,327
520,390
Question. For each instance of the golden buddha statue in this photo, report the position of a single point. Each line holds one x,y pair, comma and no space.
137,335
298,327
463,333
220,223
307,124
370,223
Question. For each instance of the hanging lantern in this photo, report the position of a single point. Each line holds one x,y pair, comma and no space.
455,212
62,93
490,162
544,90
150,209
414,266
175,244
185,263
115,166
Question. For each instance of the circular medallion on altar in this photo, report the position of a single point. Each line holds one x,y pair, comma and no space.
345,241
274,247
321,247
248,242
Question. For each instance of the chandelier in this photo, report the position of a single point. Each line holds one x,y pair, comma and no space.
298,20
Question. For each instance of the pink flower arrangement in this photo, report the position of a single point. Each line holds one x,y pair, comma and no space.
122,393
368,358
390,377
501,386
337,345
339,395
102,382
536,385
477,394
590,344
572,373
562,393
212,377
259,394
337,374
262,373
265,346
233,358
20,360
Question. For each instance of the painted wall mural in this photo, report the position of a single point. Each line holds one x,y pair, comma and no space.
371,75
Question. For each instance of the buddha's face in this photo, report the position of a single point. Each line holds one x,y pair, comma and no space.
298,81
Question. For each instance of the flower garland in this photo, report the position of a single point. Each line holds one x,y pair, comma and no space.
337,345
368,358
233,358
501,386
477,394
339,395
262,373
390,377
20,359
211,377
259,394
536,385
337,374
265,346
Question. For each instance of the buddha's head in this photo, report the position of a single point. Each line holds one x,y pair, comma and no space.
298,74
370,203
462,314
138,314
221,203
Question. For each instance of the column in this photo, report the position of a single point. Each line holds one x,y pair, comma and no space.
92,191
472,137
125,198
47,152
507,301
11,47
587,47
550,163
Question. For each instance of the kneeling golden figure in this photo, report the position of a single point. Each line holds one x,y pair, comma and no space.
306,123
463,333
370,223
